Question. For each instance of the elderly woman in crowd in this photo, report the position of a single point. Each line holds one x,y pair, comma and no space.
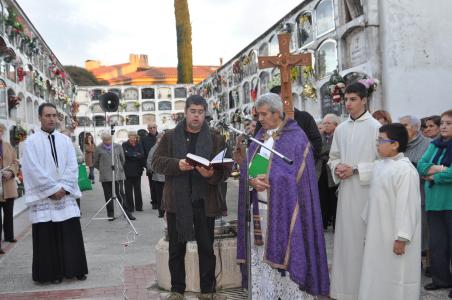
435,167
8,191
133,169
382,116
89,148
417,145
327,187
102,161
158,180
432,125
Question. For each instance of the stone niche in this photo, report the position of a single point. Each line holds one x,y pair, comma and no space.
227,270
356,52
354,8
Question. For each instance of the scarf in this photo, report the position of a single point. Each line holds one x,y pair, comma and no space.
184,194
443,147
417,147
107,147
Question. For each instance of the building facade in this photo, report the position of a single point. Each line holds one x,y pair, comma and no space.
30,74
139,105
138,72
349,40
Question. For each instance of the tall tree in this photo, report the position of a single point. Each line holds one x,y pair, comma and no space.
184,50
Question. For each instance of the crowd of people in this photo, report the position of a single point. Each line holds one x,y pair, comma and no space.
384,187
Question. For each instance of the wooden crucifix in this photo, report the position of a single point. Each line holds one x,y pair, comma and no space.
284,61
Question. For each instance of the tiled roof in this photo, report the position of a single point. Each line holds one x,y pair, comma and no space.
105,69
168,72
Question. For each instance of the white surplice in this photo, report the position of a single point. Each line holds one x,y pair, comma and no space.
393,212
354,143
42,178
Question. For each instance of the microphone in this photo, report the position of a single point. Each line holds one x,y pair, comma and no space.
222,124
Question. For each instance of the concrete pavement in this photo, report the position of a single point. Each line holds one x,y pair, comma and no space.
116,271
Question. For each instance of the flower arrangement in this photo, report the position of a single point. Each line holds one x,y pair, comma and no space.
137,104
237,117
12,22
122,105
37,80
216,106
294,73
20,73
370,83
20,134
336,87
309,90
237,67
75,107
177,117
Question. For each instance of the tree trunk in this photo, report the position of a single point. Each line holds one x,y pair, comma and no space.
184,51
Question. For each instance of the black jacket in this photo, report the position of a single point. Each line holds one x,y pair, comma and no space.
309,126
147,142
135,160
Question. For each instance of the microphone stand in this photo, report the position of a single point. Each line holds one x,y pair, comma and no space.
113,188
246,141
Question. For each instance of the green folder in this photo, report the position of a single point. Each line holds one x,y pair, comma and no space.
258,166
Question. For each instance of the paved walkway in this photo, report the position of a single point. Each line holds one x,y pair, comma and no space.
115,271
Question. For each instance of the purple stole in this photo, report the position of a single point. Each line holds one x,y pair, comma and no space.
294,240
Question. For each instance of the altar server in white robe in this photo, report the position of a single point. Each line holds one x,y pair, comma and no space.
50,174
392,252
353,153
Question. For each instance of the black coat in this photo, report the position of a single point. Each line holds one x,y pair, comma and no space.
309,126
147,142
135,160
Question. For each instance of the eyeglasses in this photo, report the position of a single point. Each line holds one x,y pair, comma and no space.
152,127
381,141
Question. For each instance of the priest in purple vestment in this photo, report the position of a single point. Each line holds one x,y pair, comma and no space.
288,252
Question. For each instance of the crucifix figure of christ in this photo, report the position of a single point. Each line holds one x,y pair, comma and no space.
284,61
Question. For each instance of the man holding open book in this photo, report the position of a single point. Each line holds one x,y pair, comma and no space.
191,194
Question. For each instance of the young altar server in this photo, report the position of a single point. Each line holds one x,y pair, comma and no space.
392,252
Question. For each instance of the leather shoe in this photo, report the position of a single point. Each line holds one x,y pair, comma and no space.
131,217
1,251
450,294
111,219
81,277
433,287
11,241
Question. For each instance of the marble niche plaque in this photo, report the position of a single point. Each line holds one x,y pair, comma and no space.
356,48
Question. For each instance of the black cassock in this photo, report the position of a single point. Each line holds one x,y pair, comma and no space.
58,250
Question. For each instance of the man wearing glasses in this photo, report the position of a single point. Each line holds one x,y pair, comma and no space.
352,154
191,195
147,142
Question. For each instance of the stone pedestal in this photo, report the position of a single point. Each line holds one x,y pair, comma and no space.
227,270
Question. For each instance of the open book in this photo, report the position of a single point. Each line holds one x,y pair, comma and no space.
218,161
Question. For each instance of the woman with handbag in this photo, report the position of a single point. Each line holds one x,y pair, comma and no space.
8,192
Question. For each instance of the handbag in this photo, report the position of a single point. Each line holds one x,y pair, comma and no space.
83,181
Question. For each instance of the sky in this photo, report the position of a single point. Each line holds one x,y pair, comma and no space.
109,30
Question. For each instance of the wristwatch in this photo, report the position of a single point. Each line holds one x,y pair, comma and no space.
355,171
